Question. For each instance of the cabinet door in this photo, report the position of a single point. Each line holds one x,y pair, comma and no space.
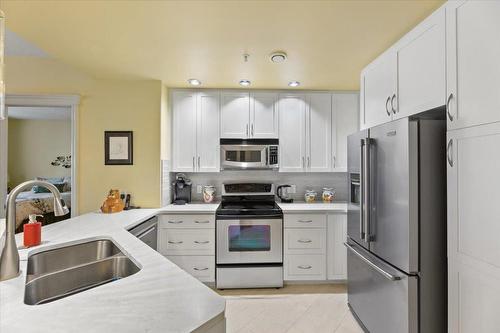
292,136
344,123
421,67
319,132
208,158
336,251
473,72
184,130
264,115
379,90
473,229
235,115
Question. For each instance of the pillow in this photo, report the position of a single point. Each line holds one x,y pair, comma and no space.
56,181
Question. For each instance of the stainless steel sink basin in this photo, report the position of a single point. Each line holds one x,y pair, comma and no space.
64,271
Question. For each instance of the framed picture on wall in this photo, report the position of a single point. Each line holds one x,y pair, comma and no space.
118,148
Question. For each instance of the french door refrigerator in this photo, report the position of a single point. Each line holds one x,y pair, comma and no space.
397,227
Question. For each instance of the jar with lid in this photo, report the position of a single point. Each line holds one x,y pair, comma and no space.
208,193
310,196
328,194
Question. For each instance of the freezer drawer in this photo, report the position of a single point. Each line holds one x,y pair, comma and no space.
384,299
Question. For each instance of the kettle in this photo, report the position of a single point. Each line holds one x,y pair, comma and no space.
283,192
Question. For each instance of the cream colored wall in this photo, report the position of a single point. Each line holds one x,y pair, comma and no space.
105,105
33,145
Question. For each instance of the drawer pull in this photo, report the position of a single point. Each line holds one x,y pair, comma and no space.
174,242
305,221
200,269
304,266
304,241
175,222
202,222
202,242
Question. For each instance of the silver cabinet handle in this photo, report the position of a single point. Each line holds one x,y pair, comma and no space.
175,222
304,266
304,241
194,166
303,162
252,129
386,107
202,242
200,269
247,130
450,116
387,275
334,161
304,221
175,242
202,222
308,162
392,104
199,161
449,152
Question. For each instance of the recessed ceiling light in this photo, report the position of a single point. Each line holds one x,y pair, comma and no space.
278,57
194,82
245,83
294,83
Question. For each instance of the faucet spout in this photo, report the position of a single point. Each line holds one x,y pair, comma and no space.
9,260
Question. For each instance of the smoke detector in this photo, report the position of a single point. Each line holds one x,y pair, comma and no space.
278,57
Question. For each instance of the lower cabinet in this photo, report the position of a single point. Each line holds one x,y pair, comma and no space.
188,240
336,251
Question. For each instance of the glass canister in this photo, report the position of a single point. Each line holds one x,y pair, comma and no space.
208,193
328,194
310,196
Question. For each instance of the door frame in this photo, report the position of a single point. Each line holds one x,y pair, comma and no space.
69,101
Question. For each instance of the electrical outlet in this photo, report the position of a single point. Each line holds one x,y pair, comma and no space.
293,189
199,189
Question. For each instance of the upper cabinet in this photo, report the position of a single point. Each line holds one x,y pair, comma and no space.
345,107
184,130
292,115
208,157
473,70
319,132
249,115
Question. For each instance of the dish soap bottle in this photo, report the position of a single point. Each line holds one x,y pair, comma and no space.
32,231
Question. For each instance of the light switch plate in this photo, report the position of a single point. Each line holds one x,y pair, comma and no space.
199,189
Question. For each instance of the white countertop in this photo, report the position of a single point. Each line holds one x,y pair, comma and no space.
317,207
159,298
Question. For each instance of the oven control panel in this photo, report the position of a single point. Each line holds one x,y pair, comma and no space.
273,155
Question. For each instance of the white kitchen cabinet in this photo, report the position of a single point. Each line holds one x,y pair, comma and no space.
379,82
292,132
264,115
344,122
319,132
235,115
473,71
305,241
421,66
336,251
195,131
473,216
305,267
201,267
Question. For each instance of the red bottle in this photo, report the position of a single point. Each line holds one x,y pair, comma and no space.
32,231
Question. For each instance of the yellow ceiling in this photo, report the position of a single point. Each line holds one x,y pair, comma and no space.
327,42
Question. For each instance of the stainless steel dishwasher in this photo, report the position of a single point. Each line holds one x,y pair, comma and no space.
147,232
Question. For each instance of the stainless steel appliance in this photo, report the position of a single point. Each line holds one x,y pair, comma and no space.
239,154
249,237
397,227
182,189
147,232
283,192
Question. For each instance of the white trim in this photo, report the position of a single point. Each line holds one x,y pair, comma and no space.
71,101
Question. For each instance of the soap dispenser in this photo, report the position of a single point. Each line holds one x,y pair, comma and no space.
32,231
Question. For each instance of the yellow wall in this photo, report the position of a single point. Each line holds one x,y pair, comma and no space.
105,105
33,145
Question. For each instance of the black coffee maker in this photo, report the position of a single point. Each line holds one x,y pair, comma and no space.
182,189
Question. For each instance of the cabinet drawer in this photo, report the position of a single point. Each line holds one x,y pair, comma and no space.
305,220
187,221
201,267
305,267
302,241
186,242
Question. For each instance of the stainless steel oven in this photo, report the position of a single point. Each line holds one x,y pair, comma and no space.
249,154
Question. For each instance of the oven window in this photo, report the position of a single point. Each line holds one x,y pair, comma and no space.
249,238
243,156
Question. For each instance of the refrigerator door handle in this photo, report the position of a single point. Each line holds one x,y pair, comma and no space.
384,273
362,191
366,190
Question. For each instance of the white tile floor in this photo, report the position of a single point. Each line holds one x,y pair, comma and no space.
308,313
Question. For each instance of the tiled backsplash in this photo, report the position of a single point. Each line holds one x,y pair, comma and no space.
302,181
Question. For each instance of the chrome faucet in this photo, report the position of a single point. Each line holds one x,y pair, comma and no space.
9,260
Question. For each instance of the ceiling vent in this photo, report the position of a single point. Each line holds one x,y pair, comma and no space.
278,57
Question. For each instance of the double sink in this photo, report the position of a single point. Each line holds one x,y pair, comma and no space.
60,272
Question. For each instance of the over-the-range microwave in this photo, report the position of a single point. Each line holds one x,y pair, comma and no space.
248,154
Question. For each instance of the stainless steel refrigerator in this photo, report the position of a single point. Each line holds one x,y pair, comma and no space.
396,227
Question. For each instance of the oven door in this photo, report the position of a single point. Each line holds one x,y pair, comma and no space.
249,241
244,157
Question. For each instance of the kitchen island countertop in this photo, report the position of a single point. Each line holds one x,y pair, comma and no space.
316,207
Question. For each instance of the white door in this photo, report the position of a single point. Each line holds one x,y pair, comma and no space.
264,115
473,69
292,132
473,229
336,251
422,68
208,158
235,115
319,132
184,130
345,122
379,90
